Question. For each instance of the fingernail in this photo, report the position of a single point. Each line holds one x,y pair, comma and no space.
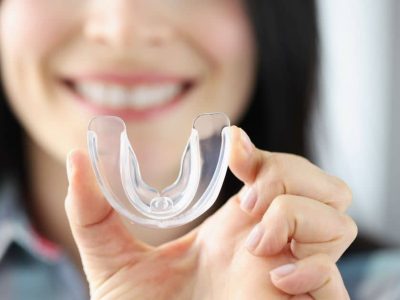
249,199
254,238
282,271
248,145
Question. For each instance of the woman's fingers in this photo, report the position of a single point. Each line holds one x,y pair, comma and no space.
104,243
267,175
315,277
311,227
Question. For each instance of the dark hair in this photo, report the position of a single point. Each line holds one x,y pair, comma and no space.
287,37
11,150
286,34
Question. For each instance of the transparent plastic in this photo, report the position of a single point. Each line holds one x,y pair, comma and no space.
203,168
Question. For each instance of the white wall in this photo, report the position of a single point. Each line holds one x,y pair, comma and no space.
356,116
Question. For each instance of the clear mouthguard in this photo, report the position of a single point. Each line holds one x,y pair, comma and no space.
203,168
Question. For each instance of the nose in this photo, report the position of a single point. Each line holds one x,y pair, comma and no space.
122,23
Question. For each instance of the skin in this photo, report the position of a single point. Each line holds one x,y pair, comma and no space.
214,261
43,42
65,38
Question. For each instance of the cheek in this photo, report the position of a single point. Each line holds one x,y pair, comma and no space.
227,42
224,33
224,38
32,27
31,33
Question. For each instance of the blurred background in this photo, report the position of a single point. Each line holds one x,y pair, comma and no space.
356,124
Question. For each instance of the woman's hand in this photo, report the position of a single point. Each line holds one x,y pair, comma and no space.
288,220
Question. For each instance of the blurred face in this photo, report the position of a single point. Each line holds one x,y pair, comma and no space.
157,64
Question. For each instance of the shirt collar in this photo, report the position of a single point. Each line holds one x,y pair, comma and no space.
15,227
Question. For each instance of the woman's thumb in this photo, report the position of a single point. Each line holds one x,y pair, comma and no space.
105,245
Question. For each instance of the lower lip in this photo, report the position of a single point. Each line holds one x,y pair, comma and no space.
128,114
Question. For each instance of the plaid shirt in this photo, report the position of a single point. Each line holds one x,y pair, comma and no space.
33,268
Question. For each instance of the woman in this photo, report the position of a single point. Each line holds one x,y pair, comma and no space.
158,64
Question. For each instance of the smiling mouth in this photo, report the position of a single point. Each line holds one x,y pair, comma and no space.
121,97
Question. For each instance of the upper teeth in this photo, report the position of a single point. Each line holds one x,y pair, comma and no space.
139,97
